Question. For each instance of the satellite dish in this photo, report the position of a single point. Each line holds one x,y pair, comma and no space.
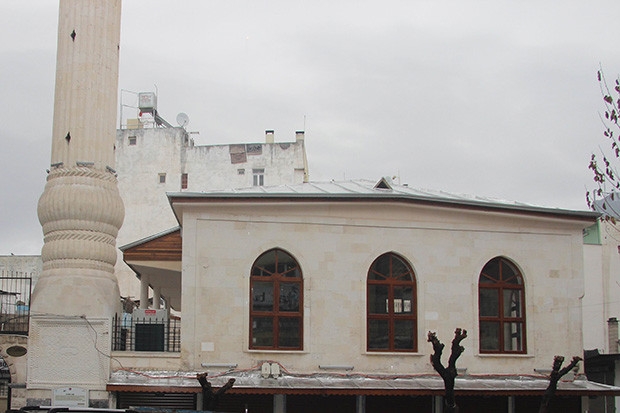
182,119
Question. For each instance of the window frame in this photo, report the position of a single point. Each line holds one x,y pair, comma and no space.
501,285
258,177
392,316
278,279
184,180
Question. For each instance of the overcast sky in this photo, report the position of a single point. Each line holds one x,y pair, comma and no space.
490,98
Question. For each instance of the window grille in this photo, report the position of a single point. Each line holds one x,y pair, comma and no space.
143,334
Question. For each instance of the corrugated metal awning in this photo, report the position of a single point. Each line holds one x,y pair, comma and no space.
351,384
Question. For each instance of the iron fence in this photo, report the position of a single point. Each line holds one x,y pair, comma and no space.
15,290
145,334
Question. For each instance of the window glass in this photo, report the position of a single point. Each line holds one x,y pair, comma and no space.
289,297
380,269
262,331
184,181
403,334
502,308
509,273
378,299
400,270
276,312
489,302
378,333
265,265
290,330
258,177
512,303
403,299
391,305
489,335
513,336
262,296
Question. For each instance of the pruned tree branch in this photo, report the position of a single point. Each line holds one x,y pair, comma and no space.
211,398
448,374
556,374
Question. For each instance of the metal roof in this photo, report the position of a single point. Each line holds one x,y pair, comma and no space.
321,383
362,189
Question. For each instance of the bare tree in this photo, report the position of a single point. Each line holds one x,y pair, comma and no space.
554,378
448,374
603,166
211,398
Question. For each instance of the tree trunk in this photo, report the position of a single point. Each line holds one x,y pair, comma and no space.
211,398
554,378
448,374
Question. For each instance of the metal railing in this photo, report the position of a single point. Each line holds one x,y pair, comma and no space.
145,334
15,290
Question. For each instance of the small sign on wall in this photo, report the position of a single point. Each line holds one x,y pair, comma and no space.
70,397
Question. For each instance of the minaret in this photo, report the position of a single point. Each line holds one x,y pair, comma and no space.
80,211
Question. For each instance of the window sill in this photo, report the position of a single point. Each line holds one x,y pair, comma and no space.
146,354
251,350
504,355
394,353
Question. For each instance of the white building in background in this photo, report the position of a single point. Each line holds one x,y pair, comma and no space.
601,306
151,161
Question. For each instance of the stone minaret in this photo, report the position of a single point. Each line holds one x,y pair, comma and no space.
80,211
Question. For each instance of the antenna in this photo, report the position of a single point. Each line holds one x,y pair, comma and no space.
182,119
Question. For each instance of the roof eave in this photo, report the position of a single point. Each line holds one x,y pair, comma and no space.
192,198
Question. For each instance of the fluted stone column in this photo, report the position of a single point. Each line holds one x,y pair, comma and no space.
80,211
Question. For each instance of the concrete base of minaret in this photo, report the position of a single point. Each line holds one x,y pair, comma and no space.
75,353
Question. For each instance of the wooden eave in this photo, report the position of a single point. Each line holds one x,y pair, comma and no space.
167,247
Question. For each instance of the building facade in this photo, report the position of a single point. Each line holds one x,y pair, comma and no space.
321,295
153,161
601,305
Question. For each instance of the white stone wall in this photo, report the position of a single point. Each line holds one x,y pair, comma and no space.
594,312
21,265
335,245
209,167
602,288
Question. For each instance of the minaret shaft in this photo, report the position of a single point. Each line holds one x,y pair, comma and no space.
86,83
80,210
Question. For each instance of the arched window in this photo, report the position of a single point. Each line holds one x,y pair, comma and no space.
276,297
391,305
501,297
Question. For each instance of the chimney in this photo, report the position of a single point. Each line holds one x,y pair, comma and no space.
269,136
299,136
612,327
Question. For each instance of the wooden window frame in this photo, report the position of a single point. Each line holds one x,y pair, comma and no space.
275,314
499,283
391,316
